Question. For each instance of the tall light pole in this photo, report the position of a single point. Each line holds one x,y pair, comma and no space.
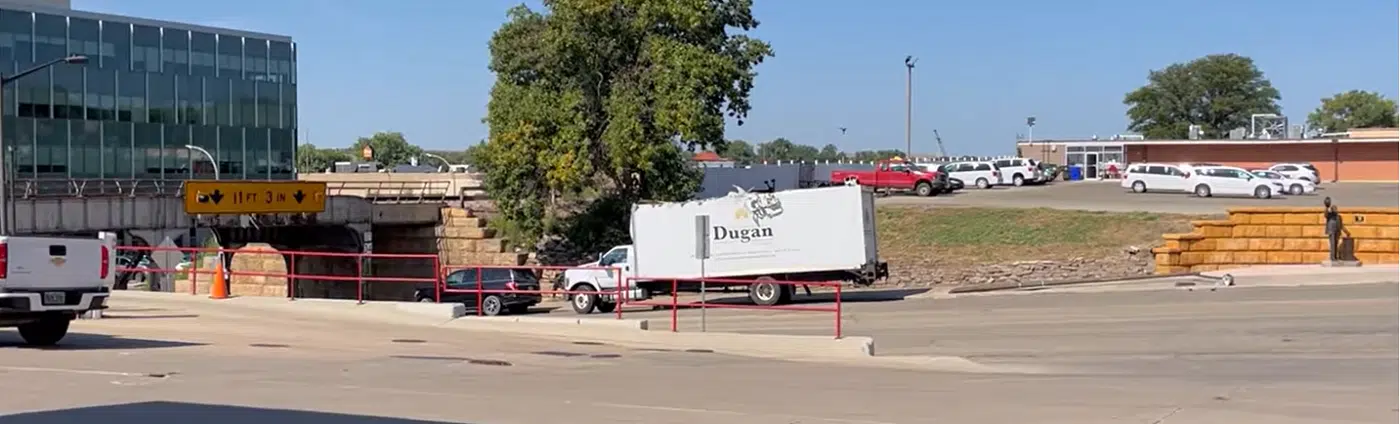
1030,138
909,62
206,153
7,173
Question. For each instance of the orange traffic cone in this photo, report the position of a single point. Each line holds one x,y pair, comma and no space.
219,289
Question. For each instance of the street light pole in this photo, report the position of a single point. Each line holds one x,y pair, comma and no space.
443,159
7,212
206,153
909,62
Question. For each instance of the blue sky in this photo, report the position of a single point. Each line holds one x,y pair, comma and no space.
419,66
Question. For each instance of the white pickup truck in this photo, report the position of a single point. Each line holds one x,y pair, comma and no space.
748,239
46,282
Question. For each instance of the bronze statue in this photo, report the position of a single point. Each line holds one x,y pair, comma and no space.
1333,227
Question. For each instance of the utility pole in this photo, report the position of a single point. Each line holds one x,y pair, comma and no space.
909,62
1030,138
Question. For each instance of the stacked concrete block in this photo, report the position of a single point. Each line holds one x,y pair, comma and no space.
258,270
463,239
1278,236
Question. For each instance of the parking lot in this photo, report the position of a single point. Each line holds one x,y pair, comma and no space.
1110,197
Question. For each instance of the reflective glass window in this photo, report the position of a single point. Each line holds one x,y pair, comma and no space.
288,106
68,92
116,45
255,59
100,100
283,146
50,37
145,48
175,157
117,149
232,153
16,36
259,157
190,94
146,150
218,102
160,98
51,148
85,38
279,62
206,136
35,94
230,56
267,100
86,151
19,132
131,96
203,51
175,51
245,94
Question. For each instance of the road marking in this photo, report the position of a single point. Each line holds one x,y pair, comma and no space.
801,418
74,371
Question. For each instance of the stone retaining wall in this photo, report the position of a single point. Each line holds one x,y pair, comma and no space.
1278,236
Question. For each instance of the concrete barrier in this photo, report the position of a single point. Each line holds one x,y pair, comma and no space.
507,321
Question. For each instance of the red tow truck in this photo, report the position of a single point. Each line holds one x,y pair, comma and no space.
896,174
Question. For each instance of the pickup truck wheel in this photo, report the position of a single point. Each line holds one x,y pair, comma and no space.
850,181
924,189
583,303
765,292
46,331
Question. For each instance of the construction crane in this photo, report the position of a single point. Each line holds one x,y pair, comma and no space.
939,139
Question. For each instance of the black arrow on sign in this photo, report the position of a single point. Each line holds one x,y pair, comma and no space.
216,196
299,196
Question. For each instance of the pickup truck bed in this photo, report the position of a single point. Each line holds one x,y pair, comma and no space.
46,282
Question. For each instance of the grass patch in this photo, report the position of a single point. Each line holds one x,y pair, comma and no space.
970,236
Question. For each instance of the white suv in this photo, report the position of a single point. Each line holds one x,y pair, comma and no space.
982,174
1294,186
1019,171
1301,171
1160,177
1207,181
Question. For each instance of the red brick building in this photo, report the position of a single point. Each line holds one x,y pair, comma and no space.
1358,155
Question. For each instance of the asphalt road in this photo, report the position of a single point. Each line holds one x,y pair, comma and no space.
1109,196
1262,356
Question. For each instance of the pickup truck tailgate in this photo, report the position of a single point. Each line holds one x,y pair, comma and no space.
53,263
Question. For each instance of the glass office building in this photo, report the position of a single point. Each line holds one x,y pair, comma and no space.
149,88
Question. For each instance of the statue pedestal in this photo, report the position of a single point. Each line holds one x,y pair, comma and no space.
1341,264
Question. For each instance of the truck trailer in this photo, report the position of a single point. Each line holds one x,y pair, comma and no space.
746,238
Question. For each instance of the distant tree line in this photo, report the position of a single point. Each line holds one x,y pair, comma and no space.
389,148
782,149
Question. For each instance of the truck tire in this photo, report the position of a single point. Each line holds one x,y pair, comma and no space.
583,303
924,189
47,331
606,307
767,293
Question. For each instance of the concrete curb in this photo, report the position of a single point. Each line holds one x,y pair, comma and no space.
1038,284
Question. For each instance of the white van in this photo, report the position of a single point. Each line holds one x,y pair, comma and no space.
1157,177
1207,181
981,174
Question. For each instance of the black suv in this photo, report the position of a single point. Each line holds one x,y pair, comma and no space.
522,280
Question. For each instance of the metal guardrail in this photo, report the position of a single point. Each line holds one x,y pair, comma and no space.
69,188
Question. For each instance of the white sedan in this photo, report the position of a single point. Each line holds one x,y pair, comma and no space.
1290,185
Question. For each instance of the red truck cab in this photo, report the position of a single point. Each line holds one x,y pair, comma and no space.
895,174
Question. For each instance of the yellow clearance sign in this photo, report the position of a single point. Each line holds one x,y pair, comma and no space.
254,197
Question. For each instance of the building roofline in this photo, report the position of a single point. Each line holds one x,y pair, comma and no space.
1211,142
75,13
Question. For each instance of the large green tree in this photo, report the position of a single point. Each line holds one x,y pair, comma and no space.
1354,109
598,102
313,159
390,148
739,151
1217,92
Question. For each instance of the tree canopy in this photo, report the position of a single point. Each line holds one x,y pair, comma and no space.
600,102
390,148
1354,109
1217,92
313,159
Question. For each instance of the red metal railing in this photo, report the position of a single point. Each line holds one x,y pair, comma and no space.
475,285
676,305
292,257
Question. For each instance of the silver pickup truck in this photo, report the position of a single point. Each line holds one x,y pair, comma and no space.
47,282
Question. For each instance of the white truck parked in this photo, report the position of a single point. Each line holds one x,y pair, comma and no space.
819,234
47,282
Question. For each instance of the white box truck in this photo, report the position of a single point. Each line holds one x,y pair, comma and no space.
820,234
